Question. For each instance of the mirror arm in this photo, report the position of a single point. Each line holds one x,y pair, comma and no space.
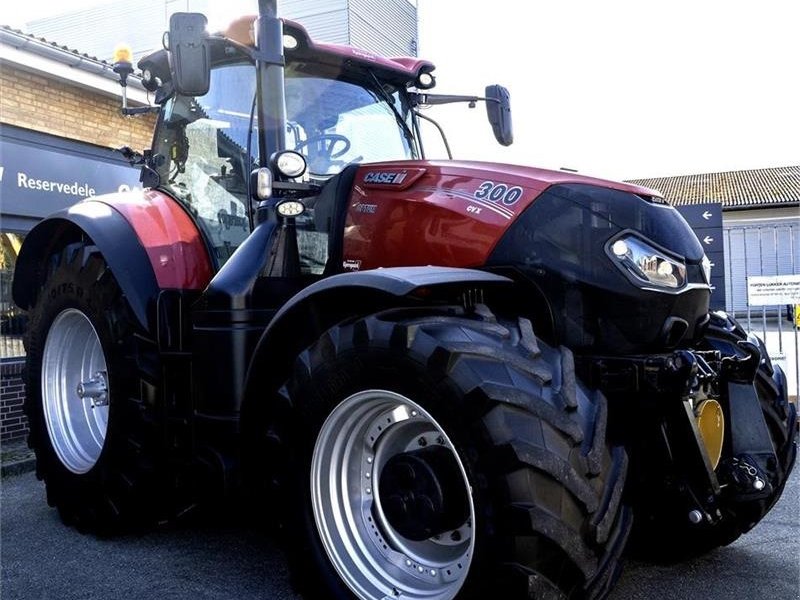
138,110
124,69
435,99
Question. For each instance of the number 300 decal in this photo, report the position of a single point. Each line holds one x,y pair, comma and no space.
500,192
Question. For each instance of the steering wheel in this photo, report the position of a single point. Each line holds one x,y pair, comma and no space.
330,141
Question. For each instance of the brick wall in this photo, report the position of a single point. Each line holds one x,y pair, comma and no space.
13,424
40,103
36,102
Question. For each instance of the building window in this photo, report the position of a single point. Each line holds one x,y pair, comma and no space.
12,319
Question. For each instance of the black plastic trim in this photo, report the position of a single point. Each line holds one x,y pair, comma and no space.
111,233
396,281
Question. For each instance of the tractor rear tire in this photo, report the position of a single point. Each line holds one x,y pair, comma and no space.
89,382
666,536
445,456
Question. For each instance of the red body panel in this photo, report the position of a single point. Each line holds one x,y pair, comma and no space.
442,212
407,66
172,241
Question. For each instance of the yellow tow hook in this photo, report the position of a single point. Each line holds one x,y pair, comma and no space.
711,423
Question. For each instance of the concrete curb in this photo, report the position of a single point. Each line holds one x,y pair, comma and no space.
16,458
17,467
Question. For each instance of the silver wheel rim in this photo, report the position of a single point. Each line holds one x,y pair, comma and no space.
370,555
75,390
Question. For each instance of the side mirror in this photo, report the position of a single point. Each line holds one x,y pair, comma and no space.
189,54
498,109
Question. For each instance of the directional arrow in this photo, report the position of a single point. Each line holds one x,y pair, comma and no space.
708,214
708,240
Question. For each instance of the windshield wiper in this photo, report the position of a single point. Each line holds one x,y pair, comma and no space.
390,101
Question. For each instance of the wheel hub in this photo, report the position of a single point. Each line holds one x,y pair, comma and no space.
422,493
95,389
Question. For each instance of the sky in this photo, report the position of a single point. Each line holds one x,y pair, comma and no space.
621,89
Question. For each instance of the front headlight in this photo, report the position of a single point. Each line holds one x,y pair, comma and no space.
706,269
647,264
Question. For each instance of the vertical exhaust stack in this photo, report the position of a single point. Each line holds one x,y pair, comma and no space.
270,61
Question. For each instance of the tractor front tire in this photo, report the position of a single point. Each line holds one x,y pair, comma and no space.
89,379
445,456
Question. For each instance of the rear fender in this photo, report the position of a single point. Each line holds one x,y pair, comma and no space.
146,238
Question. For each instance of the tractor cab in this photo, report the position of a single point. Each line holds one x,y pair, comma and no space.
238,129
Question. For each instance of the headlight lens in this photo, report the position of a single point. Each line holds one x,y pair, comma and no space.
290,208
290,164
647,264
706,269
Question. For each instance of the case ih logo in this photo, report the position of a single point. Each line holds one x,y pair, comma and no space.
386,177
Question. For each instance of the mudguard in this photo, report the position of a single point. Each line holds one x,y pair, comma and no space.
148,240
321,305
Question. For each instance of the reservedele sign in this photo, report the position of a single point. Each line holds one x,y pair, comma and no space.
36,181
75,188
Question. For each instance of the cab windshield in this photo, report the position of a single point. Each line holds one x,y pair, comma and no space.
335,122
201,143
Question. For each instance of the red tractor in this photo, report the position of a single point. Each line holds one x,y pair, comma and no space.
442,379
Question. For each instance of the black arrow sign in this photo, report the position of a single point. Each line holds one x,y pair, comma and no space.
706,222
708,214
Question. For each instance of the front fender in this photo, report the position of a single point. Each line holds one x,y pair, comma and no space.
321,305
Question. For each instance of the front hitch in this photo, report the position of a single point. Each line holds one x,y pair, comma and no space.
752,466
742,369
683,395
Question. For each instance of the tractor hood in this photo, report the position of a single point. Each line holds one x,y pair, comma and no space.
450,213
531,177
554,230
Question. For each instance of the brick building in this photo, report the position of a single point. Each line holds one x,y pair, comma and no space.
60,124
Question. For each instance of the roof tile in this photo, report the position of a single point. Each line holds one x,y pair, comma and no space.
754,188
56,45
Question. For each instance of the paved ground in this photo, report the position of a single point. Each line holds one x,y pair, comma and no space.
764,564
42,559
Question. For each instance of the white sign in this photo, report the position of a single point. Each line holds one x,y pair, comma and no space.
773,290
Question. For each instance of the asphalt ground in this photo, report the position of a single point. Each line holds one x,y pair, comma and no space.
42,559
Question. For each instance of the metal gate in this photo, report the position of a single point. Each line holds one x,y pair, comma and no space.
767,248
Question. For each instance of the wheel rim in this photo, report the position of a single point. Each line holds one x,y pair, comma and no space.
357,441
75,390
